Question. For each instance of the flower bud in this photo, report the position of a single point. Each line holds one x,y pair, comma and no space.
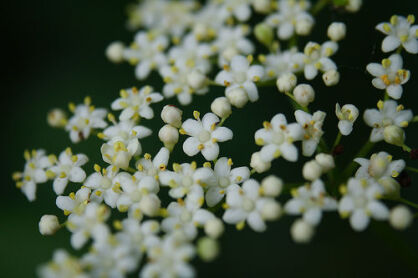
207,249
262,6
304,94
48,225
271,210
336,31
114,52
229,53
214,228
304,26
237,97
196,79
312,170
331,78
264,33
150,205
57,118
394,135
301,231
286,82
271,186
400,217
258,164
354,5
171,115
221,107
169,136
326,161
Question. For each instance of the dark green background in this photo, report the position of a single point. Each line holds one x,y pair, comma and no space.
54,53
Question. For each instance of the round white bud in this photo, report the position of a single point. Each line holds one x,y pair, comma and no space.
221,107
336,31
200,31
171,115
304,94
237,97
196,79
48,225
114,52
271,186
169,136
262,6
304,26
354,5
286,82
150,205
331,78
271,210
214,228
301,231
312,170
229,53
57,118
326,161
264,33
207,249
394,135
400,217
258,164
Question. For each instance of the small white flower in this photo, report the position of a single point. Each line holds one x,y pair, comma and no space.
68,168
152,167
74,202
204,136
86,117
240,9
280,63
48,224
135,104
57,118
360,202
382,170
169,136
248,205
147,53
317,58
399,32
389,75
312,126
226,179
346,115
239,74
331,77
277,139
310,200
389,113
117,154
62,265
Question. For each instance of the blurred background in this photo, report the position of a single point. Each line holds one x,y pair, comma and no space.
54,54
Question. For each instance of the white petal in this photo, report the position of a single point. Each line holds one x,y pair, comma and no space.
233,216
213,197
375,69
59,185
289,151
345,127
78,239
222,134
210,151
411,45
378,210
395,91
256,222
192,127
359,220
77,175
251,90
313,216
239,63
190,146
390,43
208,120
222,168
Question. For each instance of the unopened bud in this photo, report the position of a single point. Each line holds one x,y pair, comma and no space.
57,118
394,135
336,31
237,97
114,52
286,82
258,164
221,107
312,170
331,78
271,186
48,225
304,94
264,33
171,115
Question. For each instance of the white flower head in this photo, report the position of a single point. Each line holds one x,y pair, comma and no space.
317,58
312,126
204,135
360,202
86,117
389,113
136,103
280,63
277,139
74,202
346,115
399,31
62,265
389,75
310,200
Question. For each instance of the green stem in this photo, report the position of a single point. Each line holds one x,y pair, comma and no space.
131,170
337,140
319,6
406,148
266,83
362,153
404,201
412,169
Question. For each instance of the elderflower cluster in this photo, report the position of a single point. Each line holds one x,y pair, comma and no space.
156,212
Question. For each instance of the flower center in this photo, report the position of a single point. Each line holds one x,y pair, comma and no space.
187,181
224,181
204,136
248,205
240,77
278,138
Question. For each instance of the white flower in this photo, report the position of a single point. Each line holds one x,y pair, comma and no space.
62,265
310,200
152,167
280,63
360,202
209,20
389,113
117,154
204,136
135,104
291,18
86,117
277,139
247,204
74,202
317,58
312,126
240,9
57,118
140,235
389,75
89,224
258,164
382,170
346,115
226,179
185,178
33,173
48,224
239,74
68,168
147,53
399,32
401,217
